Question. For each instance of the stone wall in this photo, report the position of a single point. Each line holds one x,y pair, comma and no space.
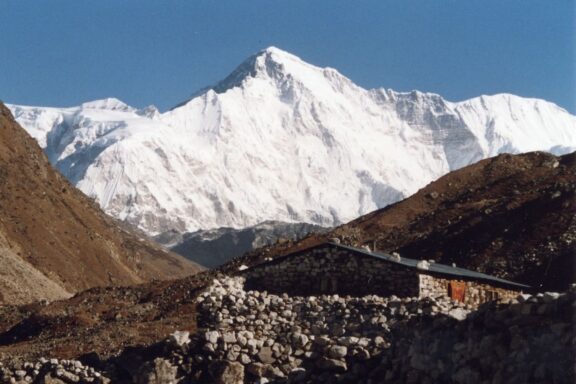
247,337
476,293
330,270
372,339
300,339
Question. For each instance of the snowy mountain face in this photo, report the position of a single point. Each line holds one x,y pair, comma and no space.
280,139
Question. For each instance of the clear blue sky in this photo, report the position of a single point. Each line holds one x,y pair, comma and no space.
62,53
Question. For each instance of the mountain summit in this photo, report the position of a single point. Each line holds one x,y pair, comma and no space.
281,139
273,64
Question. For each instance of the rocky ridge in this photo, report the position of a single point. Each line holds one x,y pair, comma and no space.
212,248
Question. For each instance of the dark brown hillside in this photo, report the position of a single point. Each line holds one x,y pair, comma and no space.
100,320
512,216
54,241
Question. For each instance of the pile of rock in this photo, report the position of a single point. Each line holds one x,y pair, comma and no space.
280,336
256,337
251,336
52,371
529,340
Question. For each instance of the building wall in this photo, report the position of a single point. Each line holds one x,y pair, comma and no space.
475,292
328,271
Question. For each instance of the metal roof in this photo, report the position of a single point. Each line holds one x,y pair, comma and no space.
432,267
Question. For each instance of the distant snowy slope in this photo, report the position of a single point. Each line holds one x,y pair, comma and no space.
280,139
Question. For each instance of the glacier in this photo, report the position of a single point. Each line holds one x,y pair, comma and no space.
281,139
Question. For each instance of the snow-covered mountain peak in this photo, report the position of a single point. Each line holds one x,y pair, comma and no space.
280,68
281,139
109,104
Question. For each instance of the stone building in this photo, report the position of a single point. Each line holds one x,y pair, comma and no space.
332,268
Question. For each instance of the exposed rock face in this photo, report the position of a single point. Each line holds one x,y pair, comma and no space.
54,241
214,247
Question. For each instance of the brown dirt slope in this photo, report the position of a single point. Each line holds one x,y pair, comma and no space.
100,321
512,216
55,241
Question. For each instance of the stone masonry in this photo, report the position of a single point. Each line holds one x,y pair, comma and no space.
476,293
333,270
330,271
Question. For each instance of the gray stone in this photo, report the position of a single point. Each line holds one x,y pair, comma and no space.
348,341
51,379
362,354
232,355
379,341
322,341
331,365
300,340
226,372
458,313
266,355
245,359
20,373
180,338
297,375
256,369
229,337
159,371
212,336
337,351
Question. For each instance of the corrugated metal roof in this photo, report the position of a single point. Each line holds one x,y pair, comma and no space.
432,267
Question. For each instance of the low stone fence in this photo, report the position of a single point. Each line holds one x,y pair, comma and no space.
253,336
258,337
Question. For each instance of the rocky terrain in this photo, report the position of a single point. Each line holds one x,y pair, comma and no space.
54,241
100,321
512,216
255,337
208,328
214,247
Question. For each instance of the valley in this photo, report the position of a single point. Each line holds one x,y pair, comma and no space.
288,226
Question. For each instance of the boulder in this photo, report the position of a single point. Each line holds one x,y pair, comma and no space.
337,351
180,338
266,355
333,365
227,372
159,371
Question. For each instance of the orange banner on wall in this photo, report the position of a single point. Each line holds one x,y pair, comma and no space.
457,290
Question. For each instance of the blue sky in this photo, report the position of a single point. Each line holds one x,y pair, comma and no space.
62,53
